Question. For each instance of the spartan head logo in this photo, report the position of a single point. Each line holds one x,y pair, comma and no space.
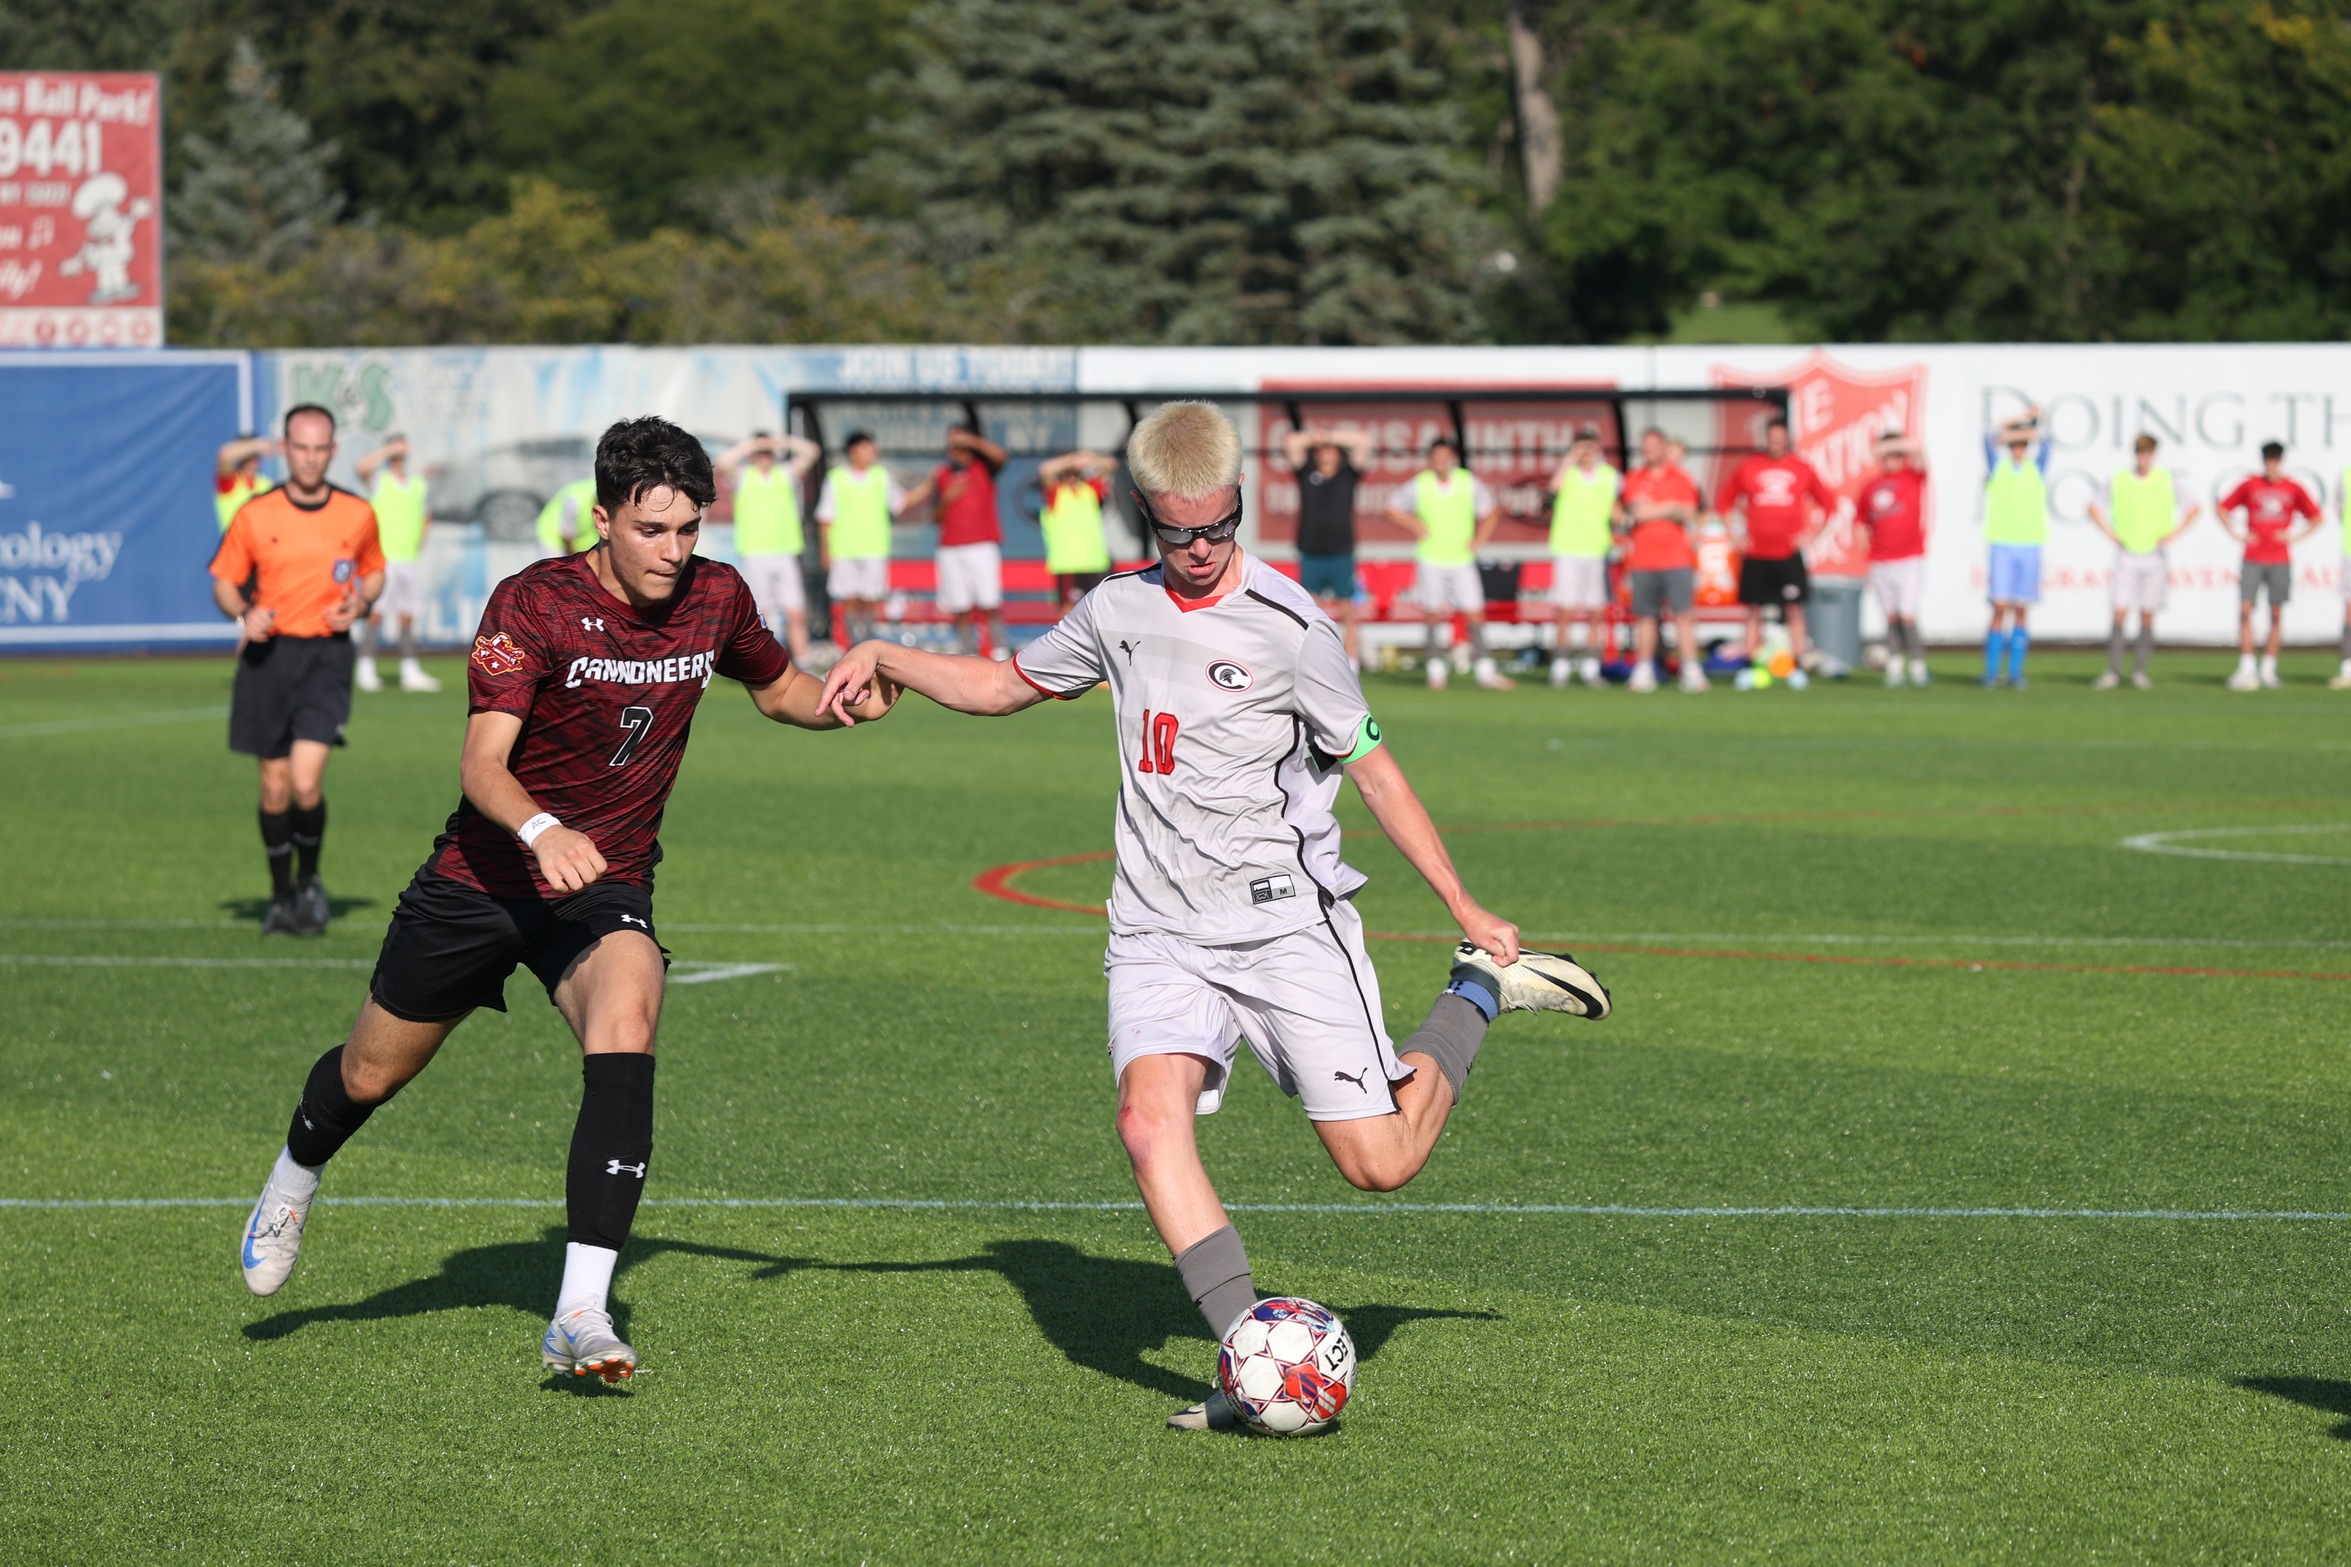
1229,675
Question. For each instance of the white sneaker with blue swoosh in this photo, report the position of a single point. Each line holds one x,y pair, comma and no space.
583,1343
273,1238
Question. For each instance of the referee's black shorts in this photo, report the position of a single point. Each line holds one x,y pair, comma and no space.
289,689
1763,582
450,948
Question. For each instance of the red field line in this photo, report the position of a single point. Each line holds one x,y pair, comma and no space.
996,882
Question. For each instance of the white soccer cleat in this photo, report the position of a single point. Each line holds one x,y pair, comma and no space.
1540,982
2269,675
1210,1414
1492,679
1644,678
2247,678
1590,672
583,1343
413,677
2107,681
1561,672
1437,674
2342,680
1893,673
273,1239
1918,673
365,676
1694,679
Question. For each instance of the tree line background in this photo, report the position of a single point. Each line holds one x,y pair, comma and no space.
1233,171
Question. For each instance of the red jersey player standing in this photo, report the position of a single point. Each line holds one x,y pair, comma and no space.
1891,504
2270,502
584,681
1784,503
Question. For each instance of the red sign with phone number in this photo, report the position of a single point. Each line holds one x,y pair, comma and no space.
81,209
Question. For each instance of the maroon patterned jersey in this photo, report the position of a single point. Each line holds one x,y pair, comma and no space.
606,697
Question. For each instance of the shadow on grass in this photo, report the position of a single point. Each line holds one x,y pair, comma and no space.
257,909
2323,1394
1106,1313
520,1274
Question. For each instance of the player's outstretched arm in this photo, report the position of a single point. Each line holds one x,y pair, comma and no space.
968,685
798,698
567,859
1405,820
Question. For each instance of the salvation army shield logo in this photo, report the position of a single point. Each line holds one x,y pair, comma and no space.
1835,415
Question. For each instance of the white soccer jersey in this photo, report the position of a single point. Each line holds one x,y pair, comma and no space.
1233,720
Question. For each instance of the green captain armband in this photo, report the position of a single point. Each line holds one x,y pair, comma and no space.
1367,740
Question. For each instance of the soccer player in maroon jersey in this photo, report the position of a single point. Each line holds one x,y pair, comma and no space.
584,681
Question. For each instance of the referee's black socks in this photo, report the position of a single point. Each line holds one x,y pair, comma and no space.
327,1117
277,839
310,830
610,1148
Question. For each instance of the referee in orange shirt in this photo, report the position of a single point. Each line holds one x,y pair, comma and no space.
308,550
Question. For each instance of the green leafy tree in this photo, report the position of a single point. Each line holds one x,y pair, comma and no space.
649,104
1194,171
261,192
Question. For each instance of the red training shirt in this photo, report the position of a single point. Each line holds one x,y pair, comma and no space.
607,698
1775,489
1893,507
1661,545
2270,510
967,504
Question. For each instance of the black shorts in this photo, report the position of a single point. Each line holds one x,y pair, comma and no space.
289,689
450,948
1764,582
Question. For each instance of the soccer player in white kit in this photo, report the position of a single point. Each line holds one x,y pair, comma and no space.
1231,914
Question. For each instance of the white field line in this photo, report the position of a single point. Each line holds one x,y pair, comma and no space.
683,972
1365,1210
2171,843
76,726
1098,932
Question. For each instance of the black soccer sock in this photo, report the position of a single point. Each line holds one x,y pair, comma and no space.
326,1117
277,840
309,831
610,1148
1215,1271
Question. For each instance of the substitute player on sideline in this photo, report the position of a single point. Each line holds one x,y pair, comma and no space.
584,680
1584,495
1662,503
237,475
1231,914
2142,516
403,518
2016,525
2270,502
1782,503
1891,504
971,539
1329,461
1450,511
1071,489
768,536
855,508
298,566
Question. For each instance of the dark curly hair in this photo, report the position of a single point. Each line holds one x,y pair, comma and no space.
637,455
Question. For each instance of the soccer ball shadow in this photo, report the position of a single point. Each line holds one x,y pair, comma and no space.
1106,1313
517,1274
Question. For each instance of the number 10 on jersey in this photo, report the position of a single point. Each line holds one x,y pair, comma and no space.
1159,738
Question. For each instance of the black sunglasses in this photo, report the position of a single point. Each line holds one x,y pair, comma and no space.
1176,538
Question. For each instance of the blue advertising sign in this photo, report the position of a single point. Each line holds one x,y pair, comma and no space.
106,485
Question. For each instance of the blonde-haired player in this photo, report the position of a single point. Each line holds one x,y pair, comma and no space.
1231,914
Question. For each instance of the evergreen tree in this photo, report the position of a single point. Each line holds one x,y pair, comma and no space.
261,192
1191,171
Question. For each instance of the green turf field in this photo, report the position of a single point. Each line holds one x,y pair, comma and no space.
1871,951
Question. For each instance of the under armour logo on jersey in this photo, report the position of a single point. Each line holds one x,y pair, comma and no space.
1356,1079
631,919
591,622
615,1167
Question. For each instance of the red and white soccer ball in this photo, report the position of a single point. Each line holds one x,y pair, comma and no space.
1286,1367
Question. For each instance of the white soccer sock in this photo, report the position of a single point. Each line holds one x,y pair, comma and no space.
298,1182
587,1277
1579,634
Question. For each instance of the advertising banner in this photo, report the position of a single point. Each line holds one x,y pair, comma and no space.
81,210
106,484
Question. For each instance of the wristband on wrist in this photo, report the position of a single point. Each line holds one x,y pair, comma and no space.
529,831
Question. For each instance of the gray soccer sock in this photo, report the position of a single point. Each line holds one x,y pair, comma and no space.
1436,637
2146,648
1215,1271
408,639
369,637
2347,636
1451,1035
2114,650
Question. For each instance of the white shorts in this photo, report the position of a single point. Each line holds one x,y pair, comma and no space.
2141,581
1900,586
1579,581
861,577
1441,589
403,595
1308,1003
971,576
776,584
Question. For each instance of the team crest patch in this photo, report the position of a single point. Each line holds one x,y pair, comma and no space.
344,570
1229,675
496,654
